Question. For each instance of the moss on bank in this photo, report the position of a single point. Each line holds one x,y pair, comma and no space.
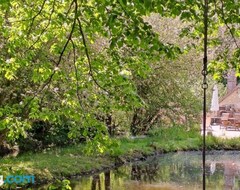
70,161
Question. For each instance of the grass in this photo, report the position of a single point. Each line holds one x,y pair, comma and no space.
54,163
69,161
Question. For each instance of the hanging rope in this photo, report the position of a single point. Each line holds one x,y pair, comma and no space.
204,86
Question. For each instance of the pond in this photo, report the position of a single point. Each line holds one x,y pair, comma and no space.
181,171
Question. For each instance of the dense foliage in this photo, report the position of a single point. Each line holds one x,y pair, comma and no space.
89,69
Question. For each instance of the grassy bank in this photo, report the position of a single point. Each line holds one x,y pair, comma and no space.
69,161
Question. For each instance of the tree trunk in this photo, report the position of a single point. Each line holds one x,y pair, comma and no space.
134,123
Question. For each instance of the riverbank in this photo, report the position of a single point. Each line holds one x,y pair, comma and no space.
60,163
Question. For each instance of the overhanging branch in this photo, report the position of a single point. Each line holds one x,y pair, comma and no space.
88,56
48,81
35,16
227,25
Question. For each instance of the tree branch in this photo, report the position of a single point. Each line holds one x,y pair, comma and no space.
44,29
88,56
64,48
225,22
48,81
77,79
35,16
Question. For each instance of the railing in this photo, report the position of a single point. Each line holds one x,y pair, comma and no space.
227,120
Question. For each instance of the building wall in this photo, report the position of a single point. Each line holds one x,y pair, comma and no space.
233,98
231,81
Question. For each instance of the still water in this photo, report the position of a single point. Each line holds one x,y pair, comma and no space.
175,171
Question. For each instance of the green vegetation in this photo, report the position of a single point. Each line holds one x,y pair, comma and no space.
78,76
83,71
60,163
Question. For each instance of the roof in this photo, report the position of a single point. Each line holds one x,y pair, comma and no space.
229,93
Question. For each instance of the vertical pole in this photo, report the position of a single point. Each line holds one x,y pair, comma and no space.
204,86
204,140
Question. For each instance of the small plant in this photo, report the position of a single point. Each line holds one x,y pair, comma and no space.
63,185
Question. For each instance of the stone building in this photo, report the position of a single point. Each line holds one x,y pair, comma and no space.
232,98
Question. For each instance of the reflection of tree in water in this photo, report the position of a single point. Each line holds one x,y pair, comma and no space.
107,180
186,173
144,172
182,169
96,181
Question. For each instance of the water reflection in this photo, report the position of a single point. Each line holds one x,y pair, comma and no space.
231,174
181,171
144,173
230,171
96,182
107,180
